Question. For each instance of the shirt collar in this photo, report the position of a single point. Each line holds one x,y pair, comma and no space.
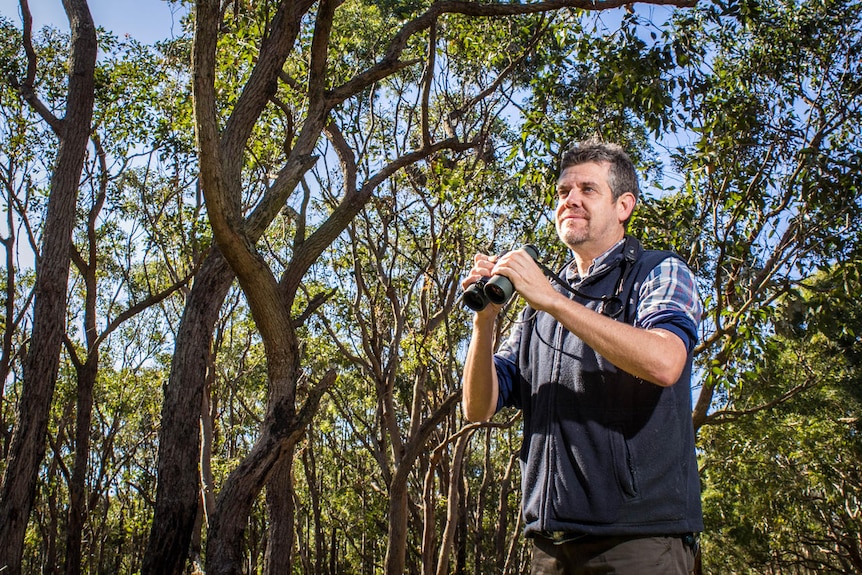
599,265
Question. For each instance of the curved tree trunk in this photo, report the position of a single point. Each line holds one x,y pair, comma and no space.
282,429
178,478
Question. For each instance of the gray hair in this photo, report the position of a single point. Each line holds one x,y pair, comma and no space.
622,177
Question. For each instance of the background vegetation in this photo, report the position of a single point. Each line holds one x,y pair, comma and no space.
231,336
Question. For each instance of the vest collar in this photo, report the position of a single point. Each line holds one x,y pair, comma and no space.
627,249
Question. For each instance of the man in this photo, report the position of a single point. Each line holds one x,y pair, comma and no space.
609,474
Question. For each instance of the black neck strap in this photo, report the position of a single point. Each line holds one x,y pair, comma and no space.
612,305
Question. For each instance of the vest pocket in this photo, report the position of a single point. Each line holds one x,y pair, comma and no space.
624,467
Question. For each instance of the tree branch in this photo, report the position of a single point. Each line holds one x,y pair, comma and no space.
26,88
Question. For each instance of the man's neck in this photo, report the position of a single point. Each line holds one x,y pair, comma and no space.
583,265
584,258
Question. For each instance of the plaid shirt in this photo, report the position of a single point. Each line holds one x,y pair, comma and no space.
668,297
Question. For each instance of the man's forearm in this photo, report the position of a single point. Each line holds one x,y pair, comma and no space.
480,375
656,355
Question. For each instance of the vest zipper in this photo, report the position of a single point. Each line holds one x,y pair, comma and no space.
550,444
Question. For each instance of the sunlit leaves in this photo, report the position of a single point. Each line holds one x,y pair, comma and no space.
783,483
769,136
609,81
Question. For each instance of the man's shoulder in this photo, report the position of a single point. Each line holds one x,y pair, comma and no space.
650,258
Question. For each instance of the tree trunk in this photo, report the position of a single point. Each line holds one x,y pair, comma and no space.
312,482
429,503
396,551
177,493
50,564
207,496
280,507
233,506
281,430
453,506
461,533
502,526
78,485
87,372
41,365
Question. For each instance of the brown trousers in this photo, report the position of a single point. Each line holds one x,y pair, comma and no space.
617,555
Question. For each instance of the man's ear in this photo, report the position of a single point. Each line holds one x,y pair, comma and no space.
625,206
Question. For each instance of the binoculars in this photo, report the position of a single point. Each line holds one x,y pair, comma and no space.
496,289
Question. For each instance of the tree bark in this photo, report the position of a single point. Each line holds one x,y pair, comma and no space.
453,504
178,489
280,508
502,526
49,312
78,485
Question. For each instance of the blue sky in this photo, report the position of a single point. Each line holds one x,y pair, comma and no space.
144,20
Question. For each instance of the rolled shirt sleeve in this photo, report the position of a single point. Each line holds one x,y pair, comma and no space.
668,299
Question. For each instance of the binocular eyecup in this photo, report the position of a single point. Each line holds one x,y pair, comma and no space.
497,289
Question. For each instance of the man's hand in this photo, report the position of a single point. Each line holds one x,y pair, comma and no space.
528,278
483,267
480,376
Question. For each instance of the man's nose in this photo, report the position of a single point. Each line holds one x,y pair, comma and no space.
573,198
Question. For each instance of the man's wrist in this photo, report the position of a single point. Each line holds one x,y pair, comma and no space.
484,320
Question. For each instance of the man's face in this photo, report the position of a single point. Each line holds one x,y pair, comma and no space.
587,217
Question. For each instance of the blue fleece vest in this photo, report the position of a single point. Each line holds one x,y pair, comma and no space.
604,453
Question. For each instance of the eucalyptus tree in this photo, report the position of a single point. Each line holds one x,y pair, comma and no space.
121,467
41,364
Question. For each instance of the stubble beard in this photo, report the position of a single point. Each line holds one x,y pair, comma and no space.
573,236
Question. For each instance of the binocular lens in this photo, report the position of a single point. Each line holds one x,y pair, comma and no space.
499,289
474,296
